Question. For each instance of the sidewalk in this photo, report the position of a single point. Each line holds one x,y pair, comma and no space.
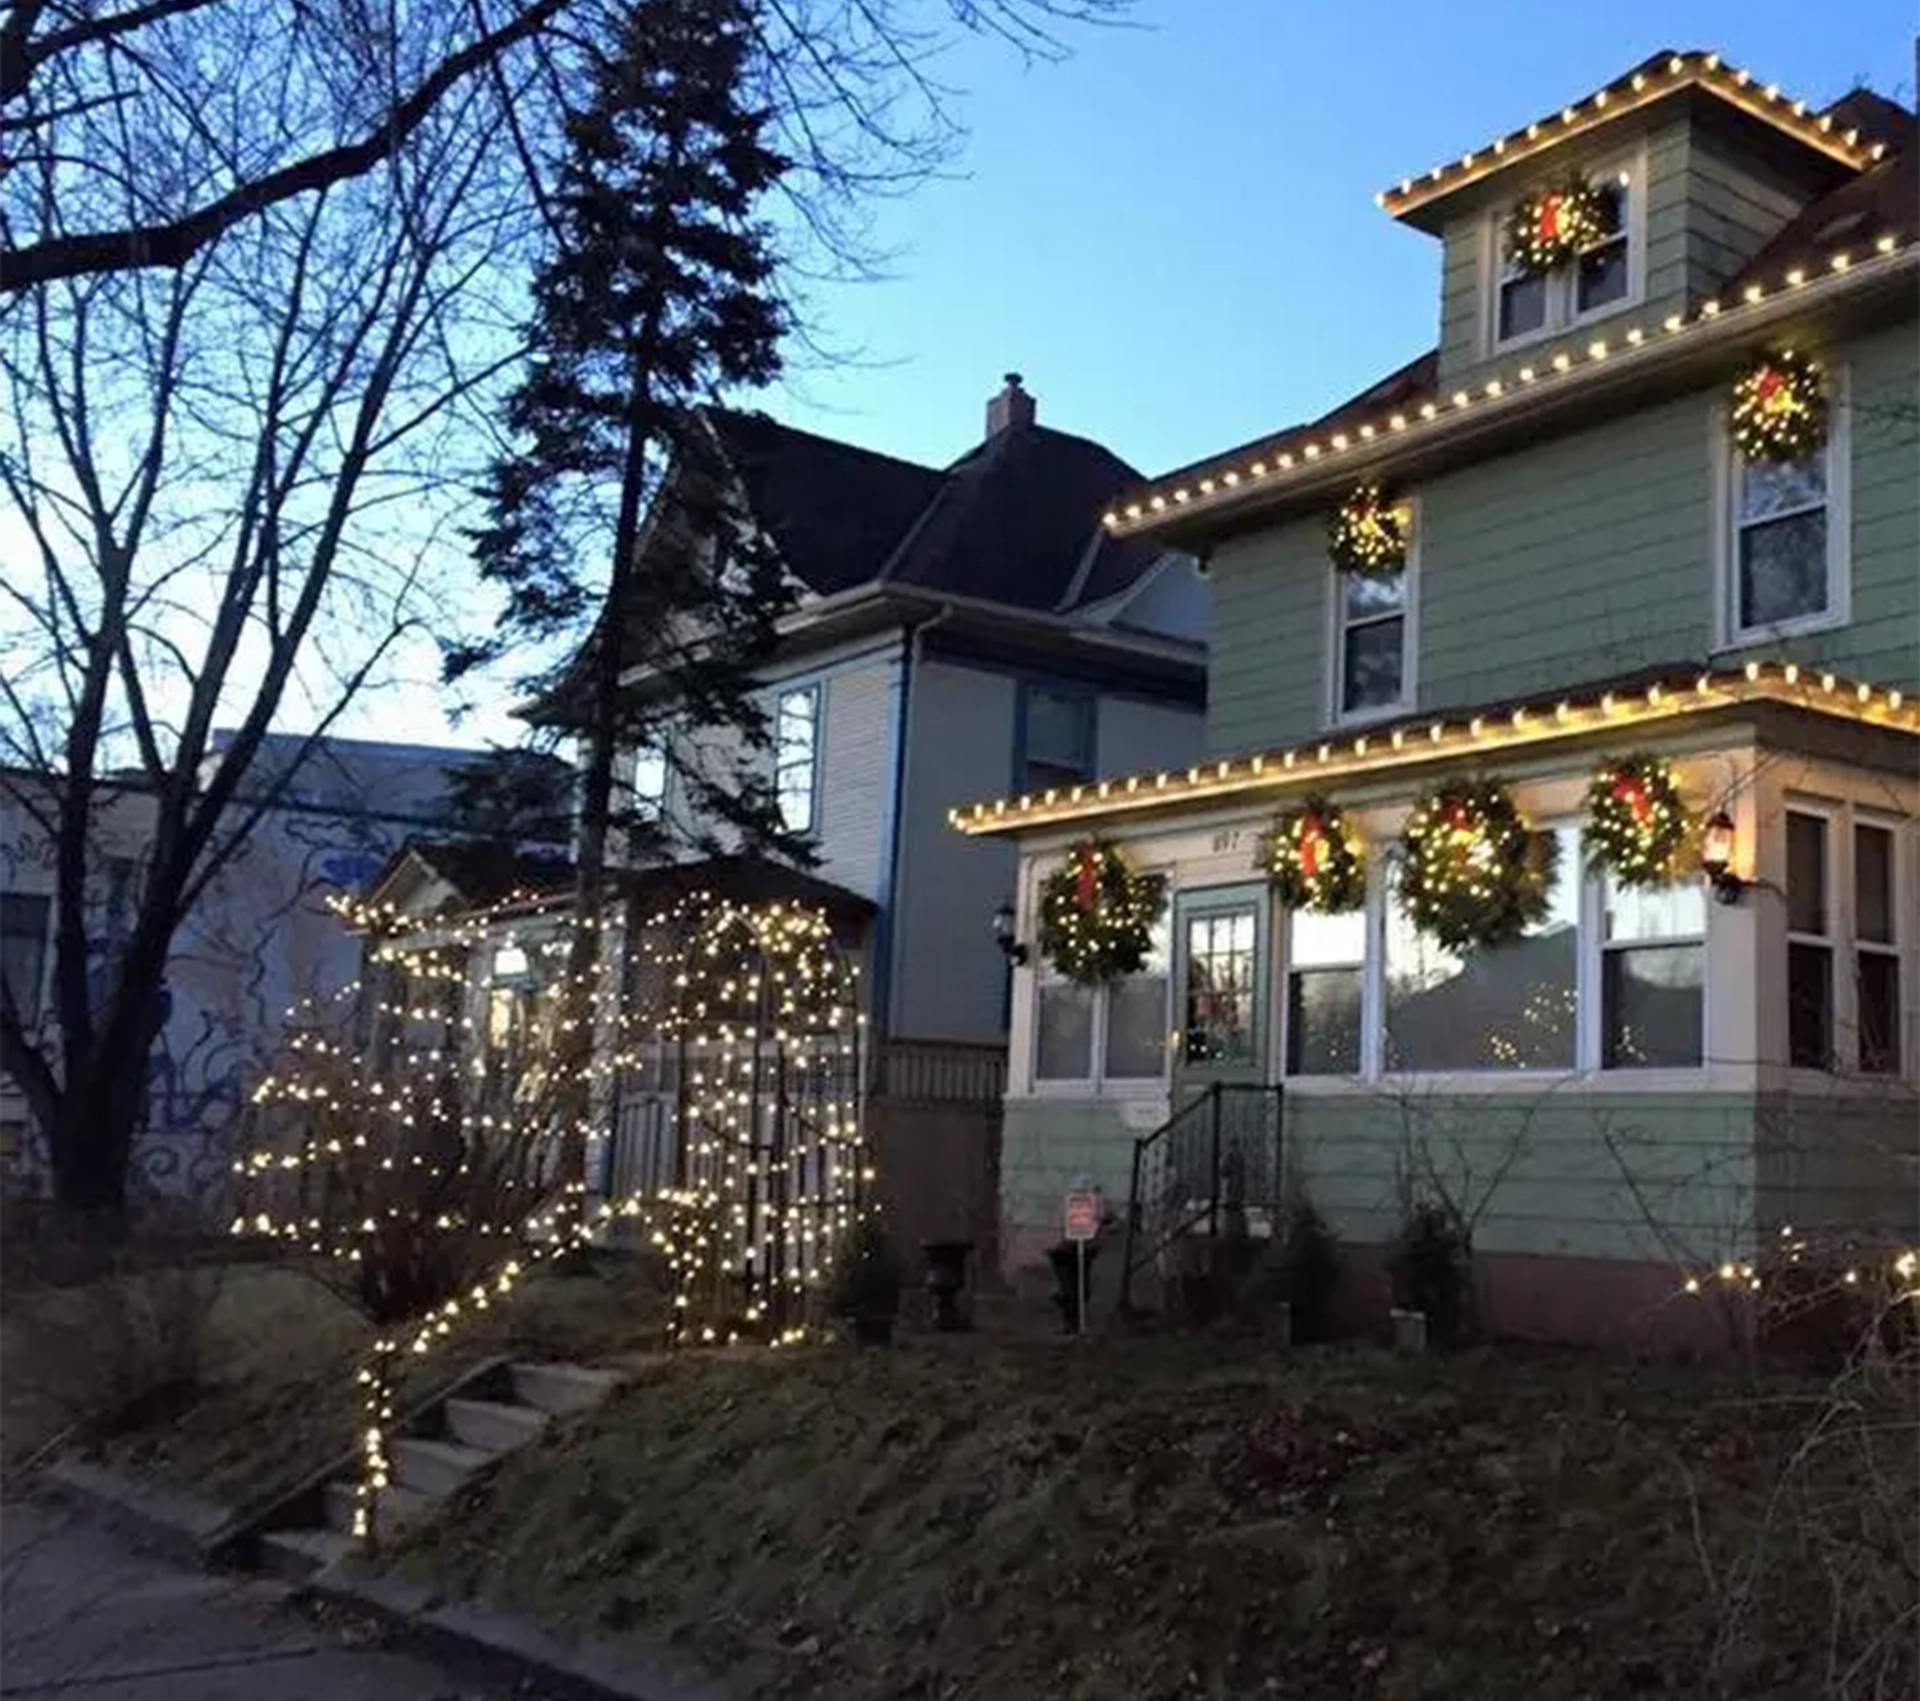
86,1618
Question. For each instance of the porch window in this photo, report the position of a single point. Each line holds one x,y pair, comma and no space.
1219,1022
1370,652
1056,739
1876,948
1653,976
1325,984
796,744
1511,1008
1809,943
1121,1027
649,782
24,921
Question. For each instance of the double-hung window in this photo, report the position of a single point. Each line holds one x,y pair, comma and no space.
1876,948
1111,1034
796,756
1653,975
1371,652
1809,941
1604,276
1783,556
1056,739
1326,956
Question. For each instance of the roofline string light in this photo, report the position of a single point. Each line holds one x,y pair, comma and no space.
1154,504
1639,88
1387,748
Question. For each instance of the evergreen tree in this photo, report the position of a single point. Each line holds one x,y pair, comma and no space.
658,295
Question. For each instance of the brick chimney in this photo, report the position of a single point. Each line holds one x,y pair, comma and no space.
1013,406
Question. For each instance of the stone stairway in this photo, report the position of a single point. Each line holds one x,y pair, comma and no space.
446,1444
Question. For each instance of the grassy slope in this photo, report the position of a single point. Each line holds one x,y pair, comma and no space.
977,1518
275,1398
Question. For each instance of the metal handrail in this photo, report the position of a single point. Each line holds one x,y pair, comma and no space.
1216,1186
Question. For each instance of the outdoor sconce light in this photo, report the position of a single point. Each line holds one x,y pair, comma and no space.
1716,858
1003,929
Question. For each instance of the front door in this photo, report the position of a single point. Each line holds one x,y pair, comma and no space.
1220,978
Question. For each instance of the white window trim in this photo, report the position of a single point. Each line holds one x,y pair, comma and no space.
1562,318
1725,551
1336,650
814,691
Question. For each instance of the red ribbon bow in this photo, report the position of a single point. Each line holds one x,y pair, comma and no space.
1628,790
1550,217
1086,880
1311,844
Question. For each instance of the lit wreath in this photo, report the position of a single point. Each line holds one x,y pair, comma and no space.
1315,860
1097,913
1780,408
1636,821
1473,872
1366,534
1551,229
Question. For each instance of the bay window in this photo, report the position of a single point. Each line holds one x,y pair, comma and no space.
1876,947
1326,956
1809,943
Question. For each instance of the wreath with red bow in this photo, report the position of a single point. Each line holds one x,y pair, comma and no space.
1636,821
1097,913
1780,408
1553,228
1314,859
1473,872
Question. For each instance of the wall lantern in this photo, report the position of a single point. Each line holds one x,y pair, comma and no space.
509,963
1716,858
1004,923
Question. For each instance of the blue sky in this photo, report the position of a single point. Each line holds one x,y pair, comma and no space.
1173,234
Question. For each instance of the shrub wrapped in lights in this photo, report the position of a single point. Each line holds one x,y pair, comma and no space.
1097,913
1367,534
1780,408
1315,860
1551,229
1473,872
1636,821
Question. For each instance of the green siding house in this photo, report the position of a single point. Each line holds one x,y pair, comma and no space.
1650,1087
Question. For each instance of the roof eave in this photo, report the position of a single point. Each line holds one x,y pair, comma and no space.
1231,493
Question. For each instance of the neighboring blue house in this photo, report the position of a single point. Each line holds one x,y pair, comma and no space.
955,630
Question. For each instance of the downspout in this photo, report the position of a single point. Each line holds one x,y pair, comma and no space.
888,937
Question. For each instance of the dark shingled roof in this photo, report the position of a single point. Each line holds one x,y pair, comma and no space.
1883,198
486,873
833,510
1011,521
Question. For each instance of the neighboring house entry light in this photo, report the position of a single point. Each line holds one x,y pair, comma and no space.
1716,858
1004,921
509,963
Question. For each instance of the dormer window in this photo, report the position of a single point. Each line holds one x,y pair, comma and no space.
1606,275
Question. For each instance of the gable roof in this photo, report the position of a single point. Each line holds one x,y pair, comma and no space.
1012,521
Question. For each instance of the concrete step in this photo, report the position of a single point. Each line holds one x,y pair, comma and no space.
561,1387
434,1467
398,1506
493,1426
295,1555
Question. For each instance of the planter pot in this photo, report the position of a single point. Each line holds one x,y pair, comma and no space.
946,1280
1409,1329
873,1329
